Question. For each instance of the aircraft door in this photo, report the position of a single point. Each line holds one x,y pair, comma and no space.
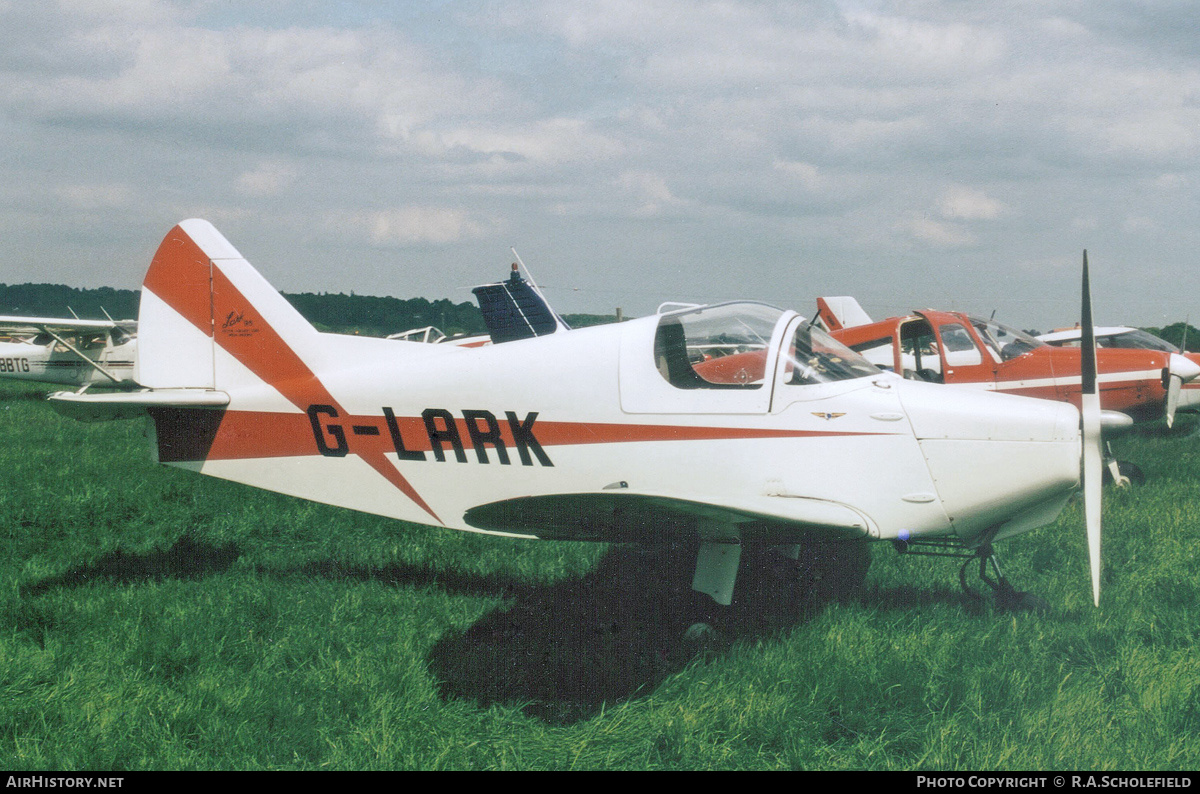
964,359
919,358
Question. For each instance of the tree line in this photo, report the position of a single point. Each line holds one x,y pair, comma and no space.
335,312
340,313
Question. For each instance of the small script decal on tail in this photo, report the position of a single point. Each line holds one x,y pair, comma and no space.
238,324
442,432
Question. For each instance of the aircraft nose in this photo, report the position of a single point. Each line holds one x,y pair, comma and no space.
996,460
1183,367
962,414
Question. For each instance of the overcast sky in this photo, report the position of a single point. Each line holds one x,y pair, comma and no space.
958,155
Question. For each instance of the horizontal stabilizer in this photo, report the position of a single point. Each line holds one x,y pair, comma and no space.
98,407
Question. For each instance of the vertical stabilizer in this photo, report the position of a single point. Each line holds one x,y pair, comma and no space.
841,312
516,309
207,317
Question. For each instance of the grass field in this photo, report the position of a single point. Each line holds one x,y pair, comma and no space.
154,619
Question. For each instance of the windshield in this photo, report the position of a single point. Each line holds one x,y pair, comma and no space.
1137,339
1007,343
816,357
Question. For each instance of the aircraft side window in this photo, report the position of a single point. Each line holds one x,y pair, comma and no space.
958,345
1004,342
719,347
671,356
1137,339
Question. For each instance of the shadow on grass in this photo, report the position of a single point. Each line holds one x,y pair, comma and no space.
564,651
186,559
561,652
907,597
1186,426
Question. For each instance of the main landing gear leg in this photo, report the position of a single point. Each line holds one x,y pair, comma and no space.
1121,472
1007,597
716,574
716,570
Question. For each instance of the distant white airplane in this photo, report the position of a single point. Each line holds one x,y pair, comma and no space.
73,352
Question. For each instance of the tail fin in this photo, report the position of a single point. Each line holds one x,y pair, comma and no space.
516,309
233,374
207,317
841,312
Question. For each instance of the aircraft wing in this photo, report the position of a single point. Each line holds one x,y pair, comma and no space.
618,515
17,324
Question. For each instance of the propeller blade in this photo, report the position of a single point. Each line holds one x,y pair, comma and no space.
1173,387
1093,451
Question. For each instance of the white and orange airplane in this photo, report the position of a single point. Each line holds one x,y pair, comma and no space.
607,433
961,350
68,351
1181,395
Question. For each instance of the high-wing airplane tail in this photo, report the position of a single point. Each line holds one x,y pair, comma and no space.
516,309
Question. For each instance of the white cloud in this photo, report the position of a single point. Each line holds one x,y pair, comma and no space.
268,179
1138,224
555,140
649,192
806,175
415,224
937,233
91,197
964,203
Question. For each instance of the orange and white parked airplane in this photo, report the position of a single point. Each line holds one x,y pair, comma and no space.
955,348
1187,395
607,433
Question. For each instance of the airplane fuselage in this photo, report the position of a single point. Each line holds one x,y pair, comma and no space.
505,438
51,362
628,432
955,349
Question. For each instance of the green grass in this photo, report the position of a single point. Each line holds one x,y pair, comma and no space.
154,619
